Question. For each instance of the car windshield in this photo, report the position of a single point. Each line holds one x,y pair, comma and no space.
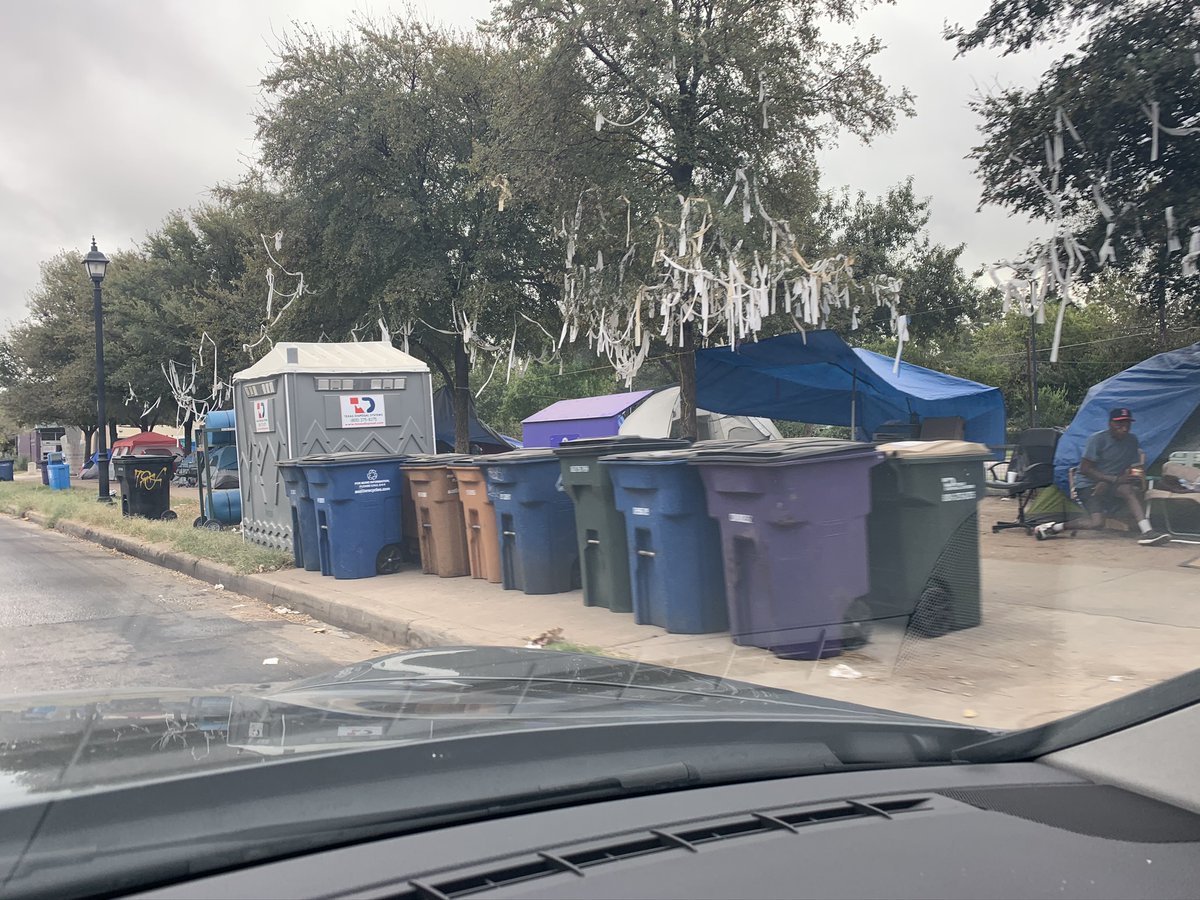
483,370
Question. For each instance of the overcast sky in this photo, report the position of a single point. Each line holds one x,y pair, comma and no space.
117,112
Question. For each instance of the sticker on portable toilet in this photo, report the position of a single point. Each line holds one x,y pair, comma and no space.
578,469
262,416
471,492
741,518
362,410
641,511
504,496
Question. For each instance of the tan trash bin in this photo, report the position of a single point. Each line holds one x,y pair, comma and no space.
479,516
434,492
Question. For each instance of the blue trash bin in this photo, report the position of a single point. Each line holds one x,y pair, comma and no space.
535,521
305,543
676,572
357,501
59,476
6,470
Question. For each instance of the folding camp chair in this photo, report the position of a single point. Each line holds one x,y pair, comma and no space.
1031,469
1180,509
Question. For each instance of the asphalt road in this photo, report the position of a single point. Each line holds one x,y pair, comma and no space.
75,616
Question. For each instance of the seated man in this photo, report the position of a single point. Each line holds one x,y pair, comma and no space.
1107,483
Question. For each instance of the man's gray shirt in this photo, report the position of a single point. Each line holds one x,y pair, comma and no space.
1109,455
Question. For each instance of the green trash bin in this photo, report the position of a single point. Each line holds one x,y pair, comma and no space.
599,525
923,534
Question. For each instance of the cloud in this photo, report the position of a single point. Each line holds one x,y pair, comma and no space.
116,113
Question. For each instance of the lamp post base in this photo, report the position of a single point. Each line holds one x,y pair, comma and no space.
108,499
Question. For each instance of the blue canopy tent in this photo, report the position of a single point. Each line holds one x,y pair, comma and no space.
1163,392
816,377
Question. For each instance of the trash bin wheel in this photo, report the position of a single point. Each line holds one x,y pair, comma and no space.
390,559
169,516
212,525
934,615
199,522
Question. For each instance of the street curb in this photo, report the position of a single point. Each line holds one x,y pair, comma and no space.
338,614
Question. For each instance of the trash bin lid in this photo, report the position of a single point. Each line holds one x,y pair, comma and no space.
436,459
918,450
675,455
348,456
778,452
516,457
617,443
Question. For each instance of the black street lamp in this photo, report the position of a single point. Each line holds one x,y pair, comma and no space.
95,263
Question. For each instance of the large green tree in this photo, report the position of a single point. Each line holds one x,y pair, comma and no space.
192,296
371,136
49,364
1106,145
676,140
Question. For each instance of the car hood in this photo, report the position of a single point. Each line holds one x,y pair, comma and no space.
82,740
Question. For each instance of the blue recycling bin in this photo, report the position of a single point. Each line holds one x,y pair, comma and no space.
677,575
357,501
6,470
535,521
305,544
59,476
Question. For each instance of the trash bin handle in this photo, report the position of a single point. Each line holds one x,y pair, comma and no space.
509,533
593,541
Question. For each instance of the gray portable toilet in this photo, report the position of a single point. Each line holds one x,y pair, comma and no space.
302,399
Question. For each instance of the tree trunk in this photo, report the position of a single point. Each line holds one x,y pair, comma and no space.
87,441
687,384
1161,302
462,398
434,360
112,433
187,433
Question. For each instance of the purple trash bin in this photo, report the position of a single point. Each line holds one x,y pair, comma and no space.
793,520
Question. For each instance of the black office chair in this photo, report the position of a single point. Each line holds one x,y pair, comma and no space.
1033,465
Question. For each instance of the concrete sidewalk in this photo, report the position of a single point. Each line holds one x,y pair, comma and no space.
1068,625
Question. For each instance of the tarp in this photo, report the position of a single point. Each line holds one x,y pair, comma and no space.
606,406
1163,392
583,417
817,378
489,440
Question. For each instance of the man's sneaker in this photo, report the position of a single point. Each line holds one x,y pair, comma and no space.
1154,539
1045,532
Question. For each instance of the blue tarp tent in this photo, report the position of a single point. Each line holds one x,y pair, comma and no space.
818,378
1163,392
482,436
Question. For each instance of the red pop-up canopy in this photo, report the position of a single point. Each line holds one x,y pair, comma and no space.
147,442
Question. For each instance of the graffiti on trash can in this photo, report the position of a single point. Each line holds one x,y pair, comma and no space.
147,479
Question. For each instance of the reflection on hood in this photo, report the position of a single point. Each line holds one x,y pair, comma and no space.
80,741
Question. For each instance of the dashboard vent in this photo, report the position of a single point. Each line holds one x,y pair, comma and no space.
686,837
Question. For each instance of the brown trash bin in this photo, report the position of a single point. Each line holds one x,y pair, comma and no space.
479,516
439,515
